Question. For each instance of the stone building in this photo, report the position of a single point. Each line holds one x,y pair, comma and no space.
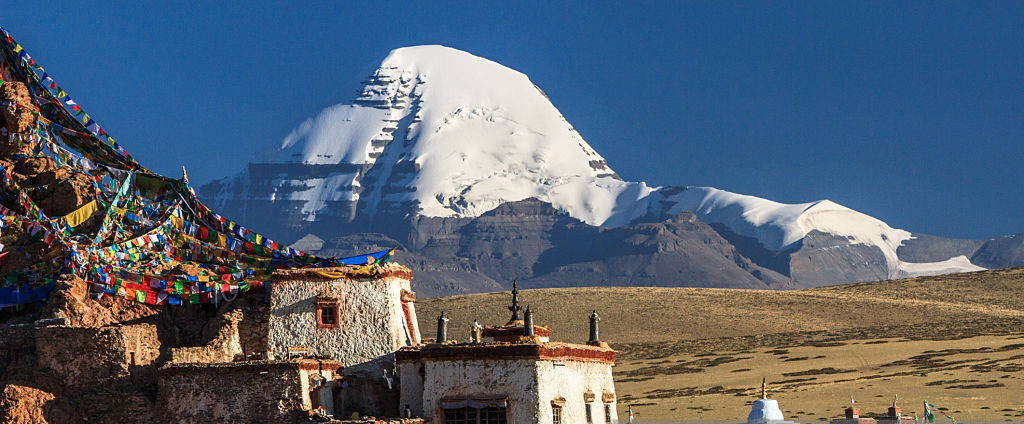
358,319
893,416
509,374
316,343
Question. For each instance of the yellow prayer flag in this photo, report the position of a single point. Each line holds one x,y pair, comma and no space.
81,214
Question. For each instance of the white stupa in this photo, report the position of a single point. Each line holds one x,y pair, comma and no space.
766,410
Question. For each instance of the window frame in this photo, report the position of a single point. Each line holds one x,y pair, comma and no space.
476,415
328,303
589,409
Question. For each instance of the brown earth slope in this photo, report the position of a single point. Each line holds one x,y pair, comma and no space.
690,353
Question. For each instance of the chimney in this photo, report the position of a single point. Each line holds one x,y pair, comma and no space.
442,328
528,322
852,413
593,328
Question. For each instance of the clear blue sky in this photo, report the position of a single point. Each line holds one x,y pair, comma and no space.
911,112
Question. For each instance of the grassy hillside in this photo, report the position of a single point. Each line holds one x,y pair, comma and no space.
690,353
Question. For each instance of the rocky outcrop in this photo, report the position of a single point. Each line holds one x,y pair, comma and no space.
927,248
1001,252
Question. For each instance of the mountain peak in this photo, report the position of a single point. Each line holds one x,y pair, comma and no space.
440,131
437,132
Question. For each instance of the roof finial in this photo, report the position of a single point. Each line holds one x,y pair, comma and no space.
594,337
764,388
515,308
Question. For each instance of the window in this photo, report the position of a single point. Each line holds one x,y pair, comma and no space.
470,415
327,313
493,415
465,415
607,413
590,414
556,414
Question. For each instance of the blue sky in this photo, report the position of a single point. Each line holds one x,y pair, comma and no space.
912,112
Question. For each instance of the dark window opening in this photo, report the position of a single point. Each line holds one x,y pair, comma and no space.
556,414
468,415
607,413
590,414
327,313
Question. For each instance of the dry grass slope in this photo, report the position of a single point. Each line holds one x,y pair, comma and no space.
689,353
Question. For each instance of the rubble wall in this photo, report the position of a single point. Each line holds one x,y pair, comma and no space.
372,323
569,380
224,345
89,355
250,392
514,379
210,393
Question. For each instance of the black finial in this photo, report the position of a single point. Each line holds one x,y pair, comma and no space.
528,322
515,308
442,328
593,327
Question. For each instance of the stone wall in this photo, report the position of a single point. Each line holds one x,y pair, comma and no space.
224,344
89,356
241,392
372,322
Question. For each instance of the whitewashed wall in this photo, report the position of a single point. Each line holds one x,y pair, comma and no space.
412,387
514,379
570,380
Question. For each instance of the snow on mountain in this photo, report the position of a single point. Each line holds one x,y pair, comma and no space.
477,134
444,133
779,225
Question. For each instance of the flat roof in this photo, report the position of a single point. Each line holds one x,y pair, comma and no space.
295,363
484,351
389,269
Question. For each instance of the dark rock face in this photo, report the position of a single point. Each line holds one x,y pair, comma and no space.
824,259
531,241
926,248
540,246
1001,252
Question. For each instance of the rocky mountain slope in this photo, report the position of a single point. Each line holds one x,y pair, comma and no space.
468,167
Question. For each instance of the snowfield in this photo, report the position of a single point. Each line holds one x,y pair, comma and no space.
478,134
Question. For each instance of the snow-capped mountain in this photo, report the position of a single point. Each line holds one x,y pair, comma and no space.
435,133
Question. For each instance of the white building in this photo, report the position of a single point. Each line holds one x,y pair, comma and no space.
513,374
357,319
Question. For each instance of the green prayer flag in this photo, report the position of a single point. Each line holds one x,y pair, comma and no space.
177,286
193,298
140,296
